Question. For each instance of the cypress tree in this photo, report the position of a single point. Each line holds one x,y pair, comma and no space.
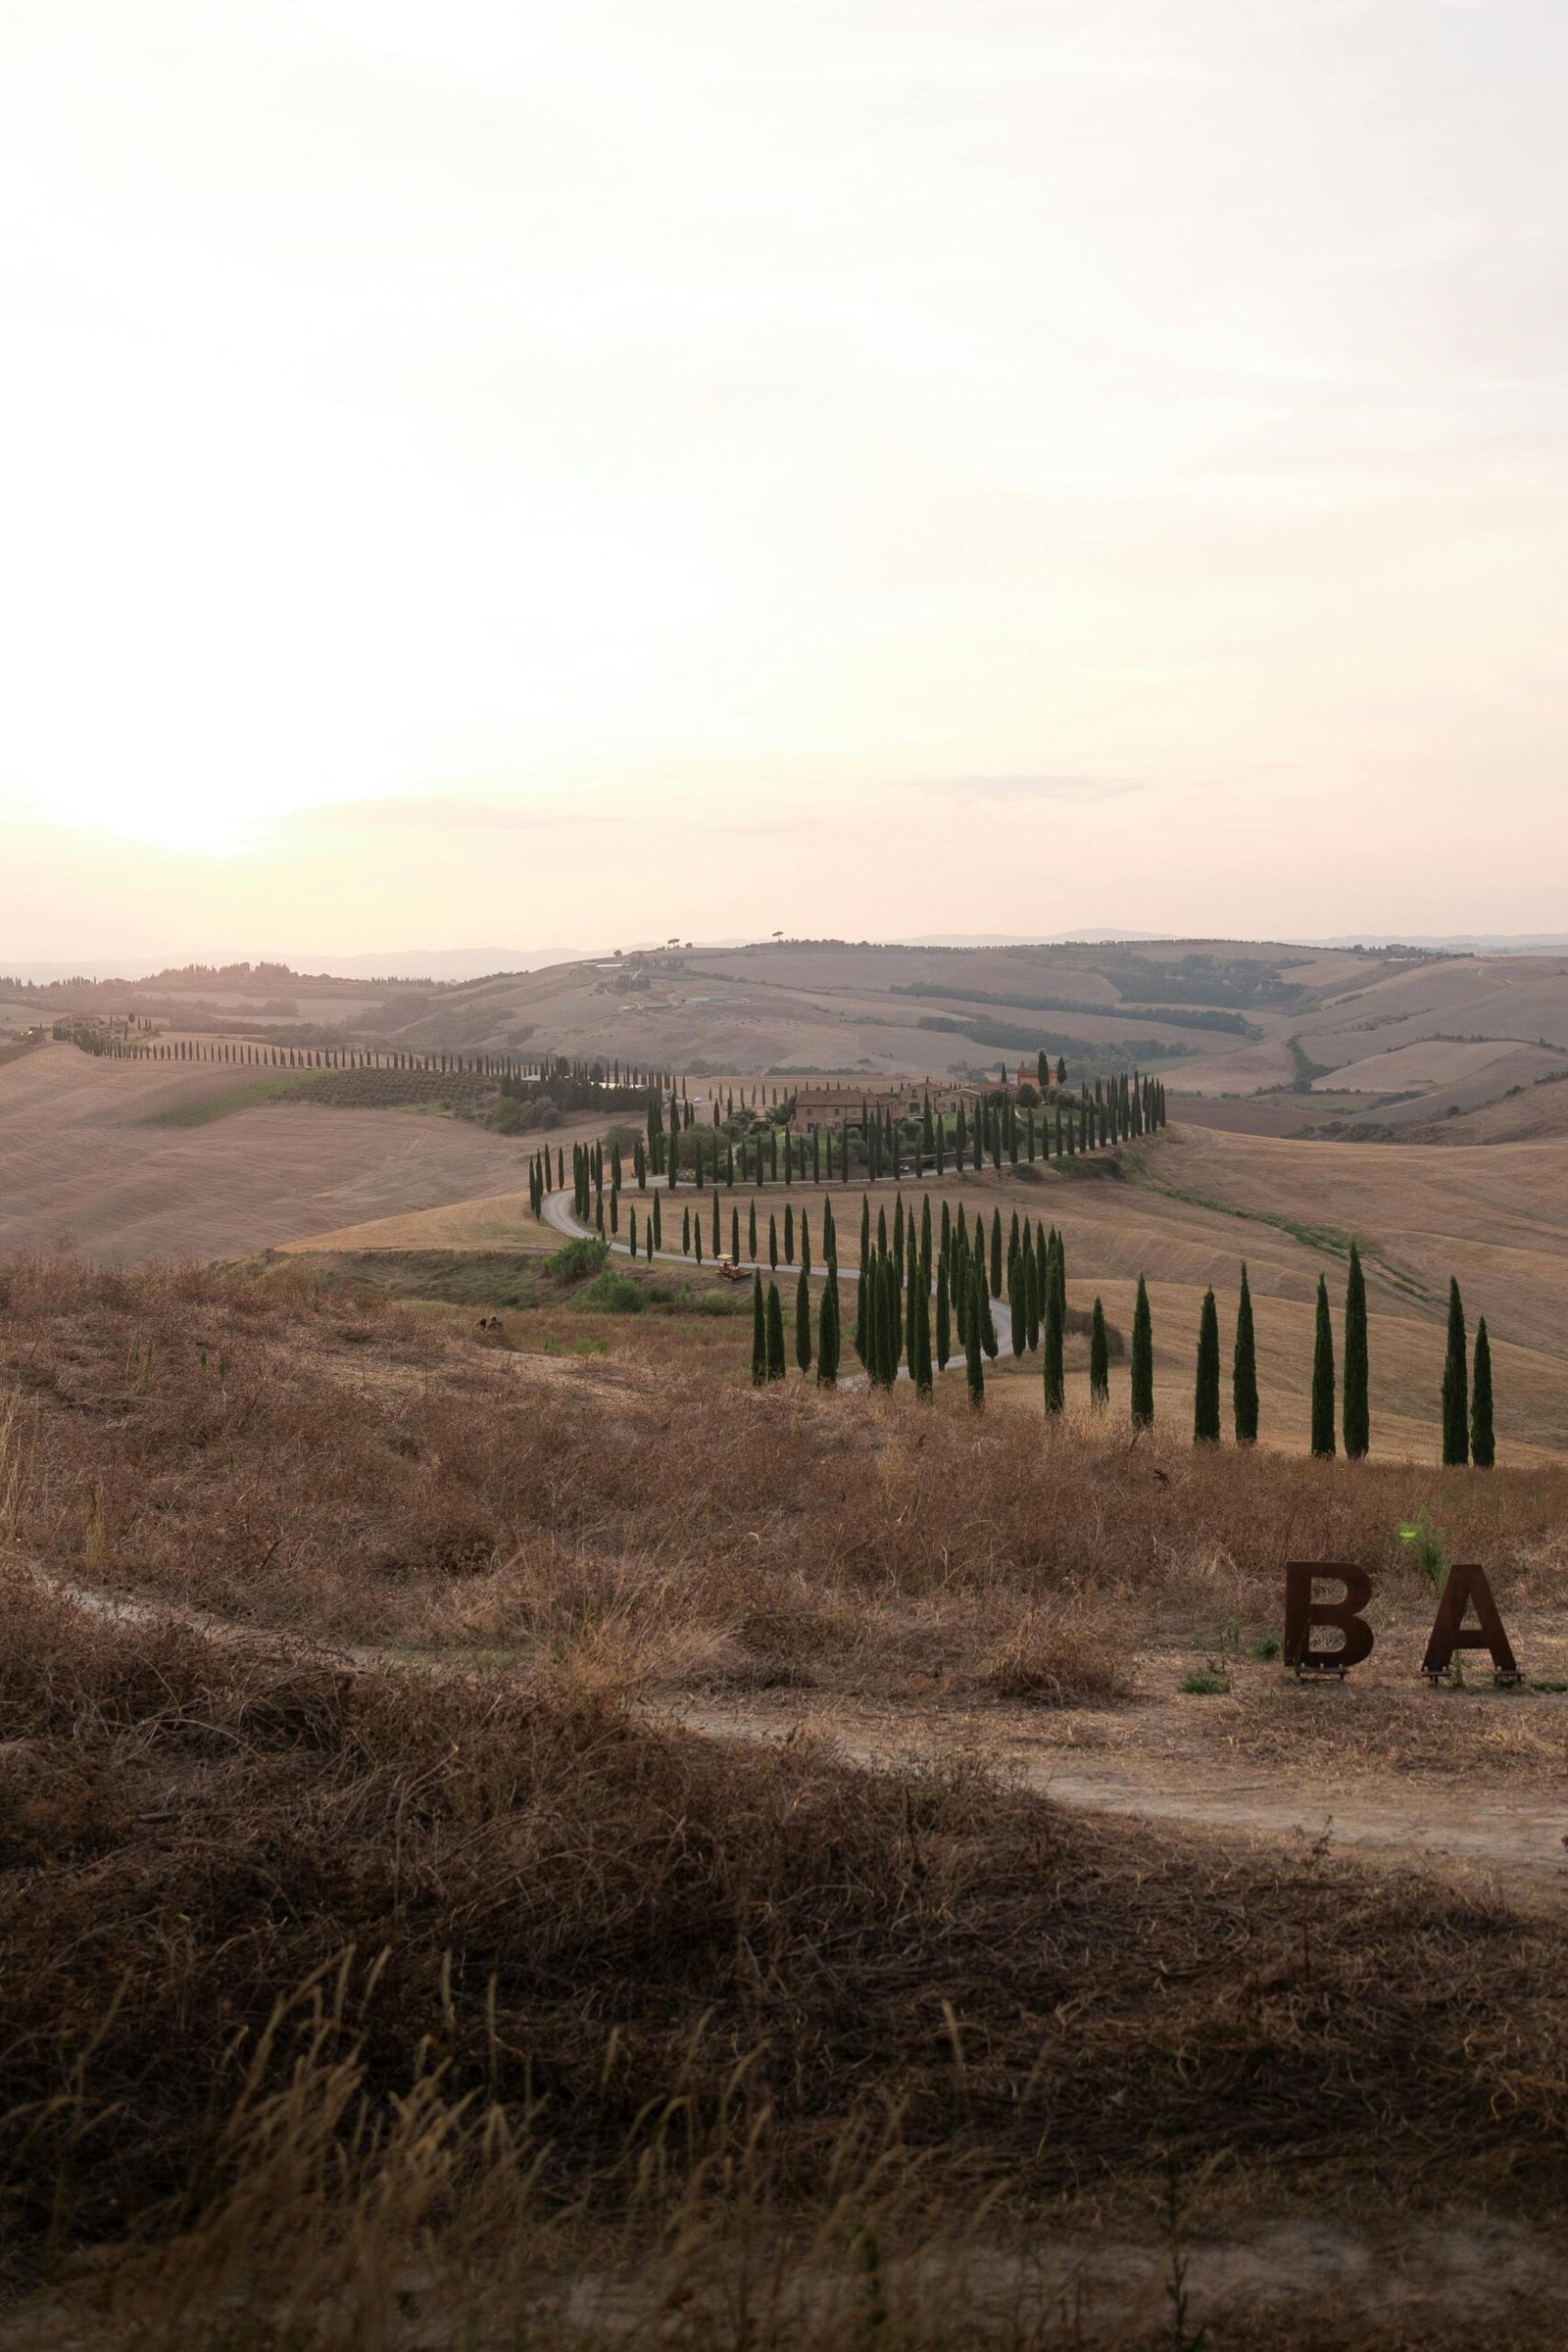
1482,1443
775,1334
925,1237
921,1354
631,1232
789,1233
988,1326
657,1224
1143,1366
1205,1392
1099,1359
806,1246
971,1345
735,1234
865,1230
827,1333
1455,1386
685,1233
750,1232
1323,1377
996,1254
758,1334
772,1243
718,1237
802,1321
863,1305
943,1317
1054,1367
1243,1370
1357,1422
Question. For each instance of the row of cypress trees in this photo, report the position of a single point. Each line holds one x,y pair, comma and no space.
1468,1433
768,1330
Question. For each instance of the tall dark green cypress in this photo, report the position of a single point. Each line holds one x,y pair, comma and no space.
1243,1370
776,1367
862,1313
751,1229
1455,1386
803,1320
1099,1358
943,1317
972,1347
1357,1410
1142,1364
1205,1390
920,1351
996,1254
1323,1376
1052,1370
1482,1441
827,1332
758,1332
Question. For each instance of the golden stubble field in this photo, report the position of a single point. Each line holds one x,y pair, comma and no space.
84,1167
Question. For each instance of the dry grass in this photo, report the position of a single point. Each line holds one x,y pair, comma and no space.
363,1998
350,2004
280,1455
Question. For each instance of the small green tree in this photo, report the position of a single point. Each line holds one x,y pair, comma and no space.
974,1366
803,1320
1455,1386
1052,1368
1323,1376
1243,1370
1205,1389
776,1367
751,1230
1358,1413
827,1333
1482,1443
1142,1363
772,1244
1099,1358
758,1332
996,1254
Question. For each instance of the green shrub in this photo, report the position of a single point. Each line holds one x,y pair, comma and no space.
615,1294
579,1260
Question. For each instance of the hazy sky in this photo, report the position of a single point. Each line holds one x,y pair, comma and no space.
567,472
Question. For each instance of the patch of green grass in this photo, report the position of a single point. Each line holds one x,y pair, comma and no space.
1208,1681
1266,1648
277,1088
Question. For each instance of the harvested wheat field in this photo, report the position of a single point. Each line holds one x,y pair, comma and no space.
506,1849
93,1159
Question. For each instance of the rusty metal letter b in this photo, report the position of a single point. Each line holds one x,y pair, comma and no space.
1303,1613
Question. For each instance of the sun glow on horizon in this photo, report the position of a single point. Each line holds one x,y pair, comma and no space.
722,423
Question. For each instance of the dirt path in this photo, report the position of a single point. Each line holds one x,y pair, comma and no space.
1512,1829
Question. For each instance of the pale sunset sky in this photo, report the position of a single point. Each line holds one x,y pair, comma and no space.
567,473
